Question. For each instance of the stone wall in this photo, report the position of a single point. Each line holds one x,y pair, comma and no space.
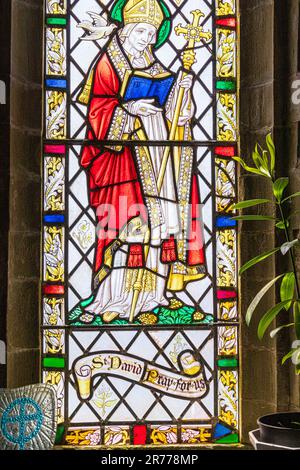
25,198
4,173
258,360
265,385
287,117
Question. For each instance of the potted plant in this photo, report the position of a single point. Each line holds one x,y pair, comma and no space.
280,429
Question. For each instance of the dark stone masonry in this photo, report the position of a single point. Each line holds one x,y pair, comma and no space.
268,66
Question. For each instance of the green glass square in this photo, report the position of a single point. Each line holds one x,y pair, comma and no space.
56,21
55,362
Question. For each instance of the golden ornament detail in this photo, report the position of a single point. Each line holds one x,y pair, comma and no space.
143,11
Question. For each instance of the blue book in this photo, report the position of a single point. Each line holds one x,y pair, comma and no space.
138,85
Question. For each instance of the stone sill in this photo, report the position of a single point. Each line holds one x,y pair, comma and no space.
159,447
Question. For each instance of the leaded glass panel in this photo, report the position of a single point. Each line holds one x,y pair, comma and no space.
139,280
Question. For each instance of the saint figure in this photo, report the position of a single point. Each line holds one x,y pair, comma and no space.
131,100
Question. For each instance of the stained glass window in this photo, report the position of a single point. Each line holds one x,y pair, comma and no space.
139,278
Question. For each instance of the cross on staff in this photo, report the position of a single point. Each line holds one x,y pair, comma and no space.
192,33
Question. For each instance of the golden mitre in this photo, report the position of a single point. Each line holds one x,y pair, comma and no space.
143,11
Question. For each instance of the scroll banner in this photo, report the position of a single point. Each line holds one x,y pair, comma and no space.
189,383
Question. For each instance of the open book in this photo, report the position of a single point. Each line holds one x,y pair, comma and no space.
138,85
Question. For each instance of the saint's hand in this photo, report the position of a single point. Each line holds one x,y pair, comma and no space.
186,82
144,107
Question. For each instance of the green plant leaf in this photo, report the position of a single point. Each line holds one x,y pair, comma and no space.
256,158
286,247
250,203
260,163
247,167
291,196
273,333
258,298
268,318
280,225
271,148
296,312
279,187
253,217
266,161
289,354
287,288
257,259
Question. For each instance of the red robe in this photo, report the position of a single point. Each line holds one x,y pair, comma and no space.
113,174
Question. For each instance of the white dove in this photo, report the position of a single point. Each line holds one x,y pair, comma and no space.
99,28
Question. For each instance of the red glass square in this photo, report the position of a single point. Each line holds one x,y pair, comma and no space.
228,151
139,435
51,289
230,22
226,294
57,149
